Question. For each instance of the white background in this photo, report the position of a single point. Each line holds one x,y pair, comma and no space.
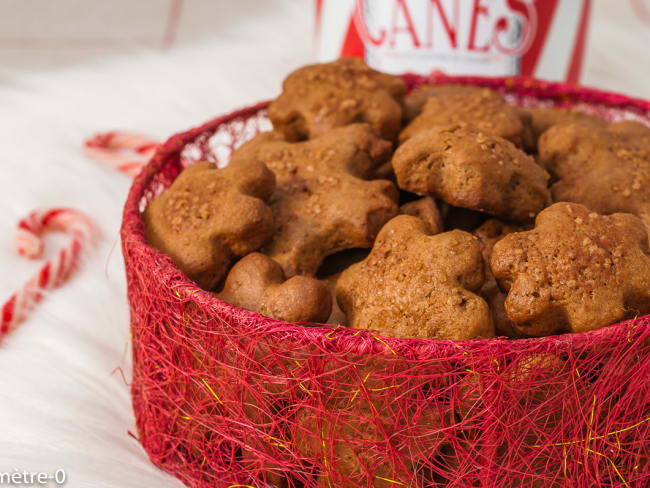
71,68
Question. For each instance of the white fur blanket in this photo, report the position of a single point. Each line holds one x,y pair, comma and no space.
63,403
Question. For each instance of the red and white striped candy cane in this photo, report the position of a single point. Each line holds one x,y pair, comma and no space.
53,273
109,148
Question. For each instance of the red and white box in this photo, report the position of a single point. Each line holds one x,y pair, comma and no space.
540,38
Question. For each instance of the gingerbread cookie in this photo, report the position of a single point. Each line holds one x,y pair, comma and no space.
331,270
489,233
415,99
323,203
354,462
355,424
486,111
469,168
543,118
528,137
606,170
337,316
425,209
320,97
575,271
208,217
630,127
460,218
257,283
273,476
416,285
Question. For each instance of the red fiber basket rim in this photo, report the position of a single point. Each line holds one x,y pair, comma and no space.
133,239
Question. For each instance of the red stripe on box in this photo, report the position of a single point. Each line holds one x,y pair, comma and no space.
577,58
352,44
545,14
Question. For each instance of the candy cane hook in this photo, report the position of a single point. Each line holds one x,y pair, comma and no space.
109,148
53,273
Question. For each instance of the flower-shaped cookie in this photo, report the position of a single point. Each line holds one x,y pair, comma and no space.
607,170
485,110
415,99
323,203
317,98
426,209
209,216
257,283
472,169
543,118
575,271
414,284
630,127
350,440
489,233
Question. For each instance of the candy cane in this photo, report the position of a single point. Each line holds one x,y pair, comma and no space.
56,271
109,148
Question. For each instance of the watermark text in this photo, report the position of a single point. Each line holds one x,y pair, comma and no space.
32,478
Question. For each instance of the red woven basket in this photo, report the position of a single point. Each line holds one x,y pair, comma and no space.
227,397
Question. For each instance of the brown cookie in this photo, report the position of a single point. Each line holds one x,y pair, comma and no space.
631,127
384,172
472,169
208,217
605,170
460,218
353,431
350,441
416,285
489,233
337,263
337,316
257,283
319,97
416,98
331,270
543,118
425,209
323,203
575,271
528,137
486,111
275,478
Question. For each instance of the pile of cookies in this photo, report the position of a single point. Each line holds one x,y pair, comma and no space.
442,213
